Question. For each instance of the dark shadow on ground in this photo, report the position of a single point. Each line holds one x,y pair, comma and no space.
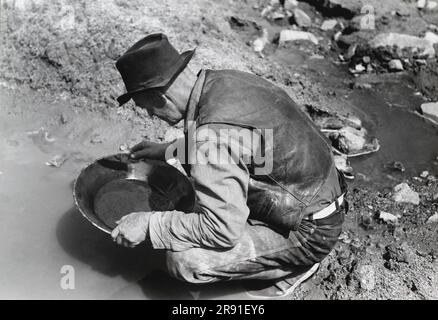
139,265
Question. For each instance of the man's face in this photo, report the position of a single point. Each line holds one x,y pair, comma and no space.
158,104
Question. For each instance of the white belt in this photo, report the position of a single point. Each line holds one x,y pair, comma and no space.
328,210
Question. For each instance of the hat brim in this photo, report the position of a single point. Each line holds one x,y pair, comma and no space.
172,74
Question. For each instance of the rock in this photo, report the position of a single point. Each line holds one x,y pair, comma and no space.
351,139
290,4
367,278
294,35
96,139
367,221
433,218
430,109
431,5
260,43
431,37
124,147
359,68
301,18
388,217
424,174
404,194
57,161
395,65
423,46
396,165
397,254
329,24
337,36
421,4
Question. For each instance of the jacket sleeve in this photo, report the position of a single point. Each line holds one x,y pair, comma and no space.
221,188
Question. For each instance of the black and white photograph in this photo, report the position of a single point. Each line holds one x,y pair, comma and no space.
244,151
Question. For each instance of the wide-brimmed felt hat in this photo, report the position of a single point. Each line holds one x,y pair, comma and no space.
150,63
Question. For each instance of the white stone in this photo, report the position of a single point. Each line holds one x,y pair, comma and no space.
352,139
387,217
395,65
421,4
367,277
294,35
328,24
424,174
432,37
337,36
359,68
402,41
431,5
430,109
404,194
290,4
301,18
433,218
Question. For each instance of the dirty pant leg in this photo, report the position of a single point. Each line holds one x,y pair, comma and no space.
261,253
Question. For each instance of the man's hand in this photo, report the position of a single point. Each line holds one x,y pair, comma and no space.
132,229
149,150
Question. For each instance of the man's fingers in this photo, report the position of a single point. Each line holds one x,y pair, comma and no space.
119,239
138,146
115,233
140,154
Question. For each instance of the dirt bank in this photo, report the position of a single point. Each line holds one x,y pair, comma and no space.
59,57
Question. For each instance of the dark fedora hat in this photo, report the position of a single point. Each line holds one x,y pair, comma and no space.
150,63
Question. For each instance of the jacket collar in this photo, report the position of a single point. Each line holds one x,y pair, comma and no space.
192,105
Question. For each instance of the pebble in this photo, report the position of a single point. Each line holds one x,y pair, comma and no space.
260,43
424,174
430,109
421,4
404,194
388,217
290,4
293,35
395,65
328,24
57,161
123,147
433,218
367,277
431,5
302,19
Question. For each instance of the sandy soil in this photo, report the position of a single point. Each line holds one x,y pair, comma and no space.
57,73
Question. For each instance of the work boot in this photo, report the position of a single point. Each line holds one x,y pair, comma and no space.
283,287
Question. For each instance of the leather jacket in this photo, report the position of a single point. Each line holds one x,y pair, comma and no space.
302,157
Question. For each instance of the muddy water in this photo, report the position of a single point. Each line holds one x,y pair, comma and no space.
389,111
40,229
41,232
